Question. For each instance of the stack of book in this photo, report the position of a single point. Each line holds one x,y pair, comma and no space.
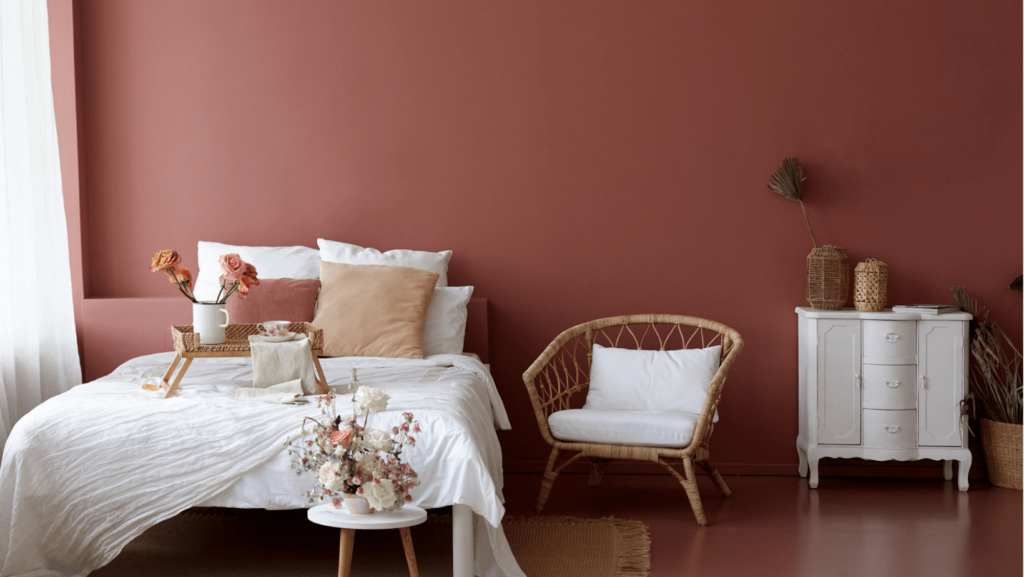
925,309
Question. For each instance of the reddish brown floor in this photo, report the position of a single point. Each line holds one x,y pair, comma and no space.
779,526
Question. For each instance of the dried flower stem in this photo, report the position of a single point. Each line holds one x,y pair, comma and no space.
808,224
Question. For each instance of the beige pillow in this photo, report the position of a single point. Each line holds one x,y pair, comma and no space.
373,310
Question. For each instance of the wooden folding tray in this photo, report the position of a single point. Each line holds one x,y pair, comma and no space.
188,347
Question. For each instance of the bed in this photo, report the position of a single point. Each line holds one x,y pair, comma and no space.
87,471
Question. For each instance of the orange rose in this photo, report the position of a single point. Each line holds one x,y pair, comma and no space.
165,259
180,275
249,276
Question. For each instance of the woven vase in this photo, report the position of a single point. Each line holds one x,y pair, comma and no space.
828,278
1002,445
869,285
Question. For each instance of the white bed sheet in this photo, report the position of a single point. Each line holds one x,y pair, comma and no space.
89,470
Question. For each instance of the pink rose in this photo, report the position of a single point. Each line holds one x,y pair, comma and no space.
408,498
341,438
233,267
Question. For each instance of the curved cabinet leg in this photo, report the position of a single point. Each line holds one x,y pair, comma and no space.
802,455
812,464
965,468
947,469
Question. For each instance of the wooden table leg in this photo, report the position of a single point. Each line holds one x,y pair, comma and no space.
177,379
410,554
321,385
165,383
348,538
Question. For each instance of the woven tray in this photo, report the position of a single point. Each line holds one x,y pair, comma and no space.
186,341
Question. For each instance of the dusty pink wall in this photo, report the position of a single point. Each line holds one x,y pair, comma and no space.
582,159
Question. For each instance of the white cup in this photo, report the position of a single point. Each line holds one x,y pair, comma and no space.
273,328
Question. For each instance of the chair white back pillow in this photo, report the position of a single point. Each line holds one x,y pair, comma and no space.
636,380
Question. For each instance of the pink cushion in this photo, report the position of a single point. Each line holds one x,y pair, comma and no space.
276,299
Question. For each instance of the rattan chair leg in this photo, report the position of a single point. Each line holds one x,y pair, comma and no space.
692,493
689,483
596,472
716,478
549,479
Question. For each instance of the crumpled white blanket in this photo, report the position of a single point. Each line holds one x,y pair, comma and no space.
89,470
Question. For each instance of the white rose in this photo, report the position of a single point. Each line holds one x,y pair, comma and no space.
381,495
368,464
376,440
371,399
333,476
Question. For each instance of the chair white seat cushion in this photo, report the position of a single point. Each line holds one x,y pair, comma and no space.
631,428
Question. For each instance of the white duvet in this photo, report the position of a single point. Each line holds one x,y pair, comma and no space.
91,469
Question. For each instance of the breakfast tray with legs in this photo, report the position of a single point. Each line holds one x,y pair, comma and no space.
236,344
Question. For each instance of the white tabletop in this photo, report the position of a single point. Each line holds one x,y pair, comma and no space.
327,515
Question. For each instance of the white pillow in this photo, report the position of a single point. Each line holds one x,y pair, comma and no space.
333,251
445,331
634,380
299,262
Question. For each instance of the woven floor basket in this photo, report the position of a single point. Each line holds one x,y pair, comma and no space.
828,278
1002,445
869,285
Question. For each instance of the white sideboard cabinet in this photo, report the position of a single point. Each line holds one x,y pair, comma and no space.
882,386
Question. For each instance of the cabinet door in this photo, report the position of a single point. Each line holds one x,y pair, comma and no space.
940,357
839,381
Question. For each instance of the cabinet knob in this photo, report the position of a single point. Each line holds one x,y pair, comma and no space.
892,428
924,381
892,384
892,337
856,380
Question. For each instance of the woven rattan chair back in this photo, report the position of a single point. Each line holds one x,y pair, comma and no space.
559,378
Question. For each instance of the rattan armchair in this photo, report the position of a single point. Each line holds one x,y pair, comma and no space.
558,380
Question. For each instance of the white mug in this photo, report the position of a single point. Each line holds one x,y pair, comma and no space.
206,322
274,328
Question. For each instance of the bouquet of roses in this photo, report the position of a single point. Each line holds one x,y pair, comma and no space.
238,275
353,461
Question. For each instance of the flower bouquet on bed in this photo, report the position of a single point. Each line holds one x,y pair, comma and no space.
355,465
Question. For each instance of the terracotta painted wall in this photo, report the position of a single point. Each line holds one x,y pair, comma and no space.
582,159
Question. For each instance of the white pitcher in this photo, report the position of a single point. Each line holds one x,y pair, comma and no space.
206,322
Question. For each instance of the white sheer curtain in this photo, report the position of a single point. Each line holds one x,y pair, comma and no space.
38,350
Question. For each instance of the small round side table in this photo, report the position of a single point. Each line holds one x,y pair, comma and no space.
401,519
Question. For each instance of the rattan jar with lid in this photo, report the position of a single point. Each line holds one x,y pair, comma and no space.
828,278
869,285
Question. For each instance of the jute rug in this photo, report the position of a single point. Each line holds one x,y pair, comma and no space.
258,543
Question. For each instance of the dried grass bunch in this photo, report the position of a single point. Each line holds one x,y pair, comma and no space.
995,375
787,183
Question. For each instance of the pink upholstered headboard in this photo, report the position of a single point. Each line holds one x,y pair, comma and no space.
119,329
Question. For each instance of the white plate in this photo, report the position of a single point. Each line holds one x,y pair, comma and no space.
278,339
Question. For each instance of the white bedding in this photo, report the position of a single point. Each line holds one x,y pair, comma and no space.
87,471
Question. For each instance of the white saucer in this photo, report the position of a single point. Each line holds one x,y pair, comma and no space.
277,339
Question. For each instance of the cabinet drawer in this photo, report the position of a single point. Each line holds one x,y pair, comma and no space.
890,386
890,429
890,342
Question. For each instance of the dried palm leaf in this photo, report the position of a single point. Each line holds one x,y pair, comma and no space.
996,367
786,182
